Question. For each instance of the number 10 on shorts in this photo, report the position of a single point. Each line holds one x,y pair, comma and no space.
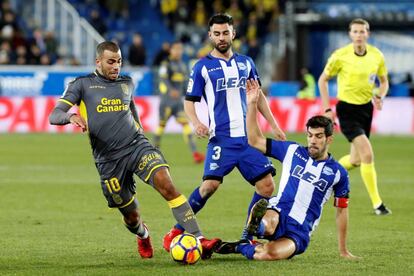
112,185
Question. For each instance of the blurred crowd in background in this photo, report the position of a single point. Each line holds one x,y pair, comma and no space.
22,46
187,20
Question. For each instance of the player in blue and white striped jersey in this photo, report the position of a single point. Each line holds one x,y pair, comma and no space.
309,177
220,78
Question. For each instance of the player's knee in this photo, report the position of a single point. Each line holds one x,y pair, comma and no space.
265,187
266,190
164,185
270,222
208,188
367,157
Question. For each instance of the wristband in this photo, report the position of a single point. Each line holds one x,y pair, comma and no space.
378,97
341,202
328,110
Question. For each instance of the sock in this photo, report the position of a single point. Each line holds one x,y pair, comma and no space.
157,136
188,137
139,229
184,215
369,177
256,197
345,161
247,250
196,202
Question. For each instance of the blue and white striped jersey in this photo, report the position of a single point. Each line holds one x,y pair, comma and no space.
223,86
305,184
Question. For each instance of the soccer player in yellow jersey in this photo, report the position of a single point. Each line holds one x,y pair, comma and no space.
357,65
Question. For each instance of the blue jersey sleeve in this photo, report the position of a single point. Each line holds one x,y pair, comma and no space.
253,71
196,83
277,149
341,188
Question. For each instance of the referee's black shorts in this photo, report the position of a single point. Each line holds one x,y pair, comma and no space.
354,119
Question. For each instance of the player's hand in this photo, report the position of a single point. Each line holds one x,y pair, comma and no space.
174,93
279,134
252,91
330,115
79,122
378,102
348,255
201,131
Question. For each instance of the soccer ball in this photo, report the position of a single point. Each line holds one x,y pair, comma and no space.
186,249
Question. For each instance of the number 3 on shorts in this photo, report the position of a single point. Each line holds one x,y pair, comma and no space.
217,153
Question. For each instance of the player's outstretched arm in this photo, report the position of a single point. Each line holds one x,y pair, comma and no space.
323,90
342,226
264,108
60,116
254,134
200,129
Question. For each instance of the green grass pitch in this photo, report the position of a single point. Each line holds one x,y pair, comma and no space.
54,219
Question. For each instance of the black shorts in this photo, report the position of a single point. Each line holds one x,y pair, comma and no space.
117,181
169,107
354,119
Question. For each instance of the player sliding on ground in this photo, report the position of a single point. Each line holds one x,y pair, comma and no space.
310,175
120,149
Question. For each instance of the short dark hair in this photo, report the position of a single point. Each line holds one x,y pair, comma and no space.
359,21
106,45
321,121
220,18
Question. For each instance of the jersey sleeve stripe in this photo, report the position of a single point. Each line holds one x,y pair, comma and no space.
65,101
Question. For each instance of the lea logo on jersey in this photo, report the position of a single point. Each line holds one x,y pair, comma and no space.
309,177
222,84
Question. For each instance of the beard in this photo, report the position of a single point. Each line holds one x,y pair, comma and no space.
110,76
316,153
223,47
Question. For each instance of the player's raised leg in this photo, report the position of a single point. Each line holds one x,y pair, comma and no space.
197,200
257,170
264,190
182,210
255,218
